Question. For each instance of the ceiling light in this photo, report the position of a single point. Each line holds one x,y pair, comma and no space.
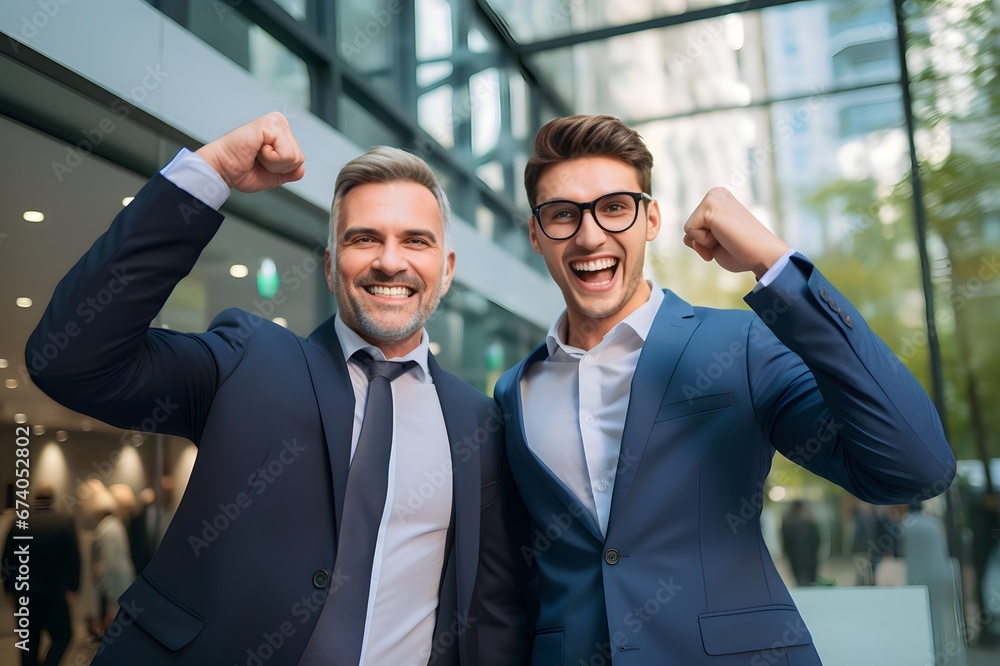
62,435
10,383
3,363
38,430
127,200
20,418
280,321
33,216
86,426
239,271
23,302
434,348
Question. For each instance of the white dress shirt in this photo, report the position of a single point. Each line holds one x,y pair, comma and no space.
575,402
409,552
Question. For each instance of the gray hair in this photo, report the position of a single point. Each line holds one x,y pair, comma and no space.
384,164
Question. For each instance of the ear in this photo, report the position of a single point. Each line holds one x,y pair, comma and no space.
533,234
328,267
449,272
653,220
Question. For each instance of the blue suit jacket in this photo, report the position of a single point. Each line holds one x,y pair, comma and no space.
243,570
683,576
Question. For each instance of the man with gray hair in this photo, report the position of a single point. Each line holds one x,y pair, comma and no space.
358,417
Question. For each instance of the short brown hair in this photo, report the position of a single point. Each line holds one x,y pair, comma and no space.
384,164
586,136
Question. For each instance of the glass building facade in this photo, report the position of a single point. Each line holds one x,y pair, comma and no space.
814,113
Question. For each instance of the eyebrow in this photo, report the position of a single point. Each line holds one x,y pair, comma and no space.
371,231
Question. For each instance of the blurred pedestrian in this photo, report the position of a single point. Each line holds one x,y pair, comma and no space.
54,576
800,540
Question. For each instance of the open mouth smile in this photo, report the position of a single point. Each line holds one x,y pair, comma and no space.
595,272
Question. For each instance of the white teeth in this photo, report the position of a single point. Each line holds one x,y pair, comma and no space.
597,265
394,292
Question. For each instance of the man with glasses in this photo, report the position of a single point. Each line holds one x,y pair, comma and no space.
643,428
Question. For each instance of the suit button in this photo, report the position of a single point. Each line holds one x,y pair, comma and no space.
611,556
321,578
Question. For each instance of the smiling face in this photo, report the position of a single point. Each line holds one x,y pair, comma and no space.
391,266
599,273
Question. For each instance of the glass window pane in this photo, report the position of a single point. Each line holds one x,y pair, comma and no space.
362,127
532,20
731,61
434,36
434,113
253,49
367,42
484,88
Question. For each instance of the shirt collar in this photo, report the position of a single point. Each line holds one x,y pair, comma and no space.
640,321
351,342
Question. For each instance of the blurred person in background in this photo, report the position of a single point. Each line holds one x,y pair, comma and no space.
928,563
643,428
800,540
54,577
110,561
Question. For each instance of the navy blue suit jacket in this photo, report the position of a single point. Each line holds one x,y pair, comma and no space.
243,569
683,576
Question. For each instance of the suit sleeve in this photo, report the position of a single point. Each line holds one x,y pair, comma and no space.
832,397
93,350
501,586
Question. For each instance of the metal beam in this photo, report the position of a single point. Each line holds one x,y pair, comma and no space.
770,101
667,21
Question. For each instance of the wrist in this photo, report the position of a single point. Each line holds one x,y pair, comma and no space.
769,259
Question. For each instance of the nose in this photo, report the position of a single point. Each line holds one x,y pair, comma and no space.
590,234
390,259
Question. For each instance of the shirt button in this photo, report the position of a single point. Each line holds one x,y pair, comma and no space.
589,359
589,419
602,486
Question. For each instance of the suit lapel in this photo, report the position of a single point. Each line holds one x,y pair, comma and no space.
530,459
668,336
460,421
335,395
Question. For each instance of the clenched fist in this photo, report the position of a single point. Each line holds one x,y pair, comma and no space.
720,228
257,156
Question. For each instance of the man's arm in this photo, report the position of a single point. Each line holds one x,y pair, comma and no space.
93,350
830,394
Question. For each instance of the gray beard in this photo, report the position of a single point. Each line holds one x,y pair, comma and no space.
371,328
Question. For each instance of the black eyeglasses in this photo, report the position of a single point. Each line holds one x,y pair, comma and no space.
616,212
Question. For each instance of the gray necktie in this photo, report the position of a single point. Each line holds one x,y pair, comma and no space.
341,628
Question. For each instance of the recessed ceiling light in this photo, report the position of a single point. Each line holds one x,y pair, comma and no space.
33,216
3,363
280,321
38,430
86,426
23,302
239,271
62,435
10,383
127,200
20,418
434,347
